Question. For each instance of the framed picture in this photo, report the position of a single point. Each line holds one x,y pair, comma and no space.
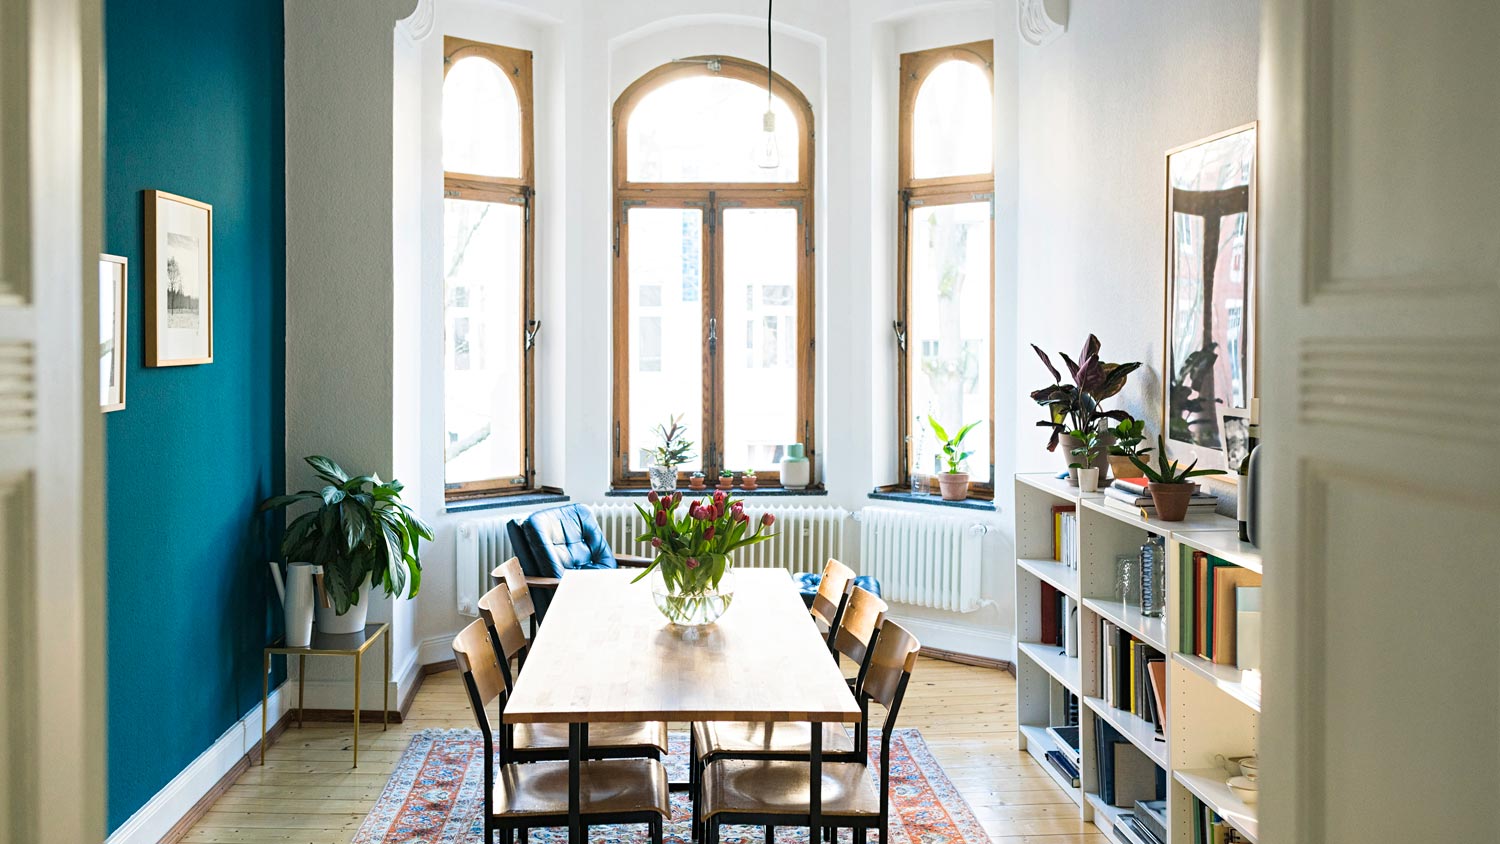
1234,428
179,279
1210,292
112,301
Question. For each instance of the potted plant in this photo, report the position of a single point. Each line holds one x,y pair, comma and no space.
673,450
1170,486
1129,435
747,479
1088,449
726,479
690,579
954,483
1076,406
360,532
695,480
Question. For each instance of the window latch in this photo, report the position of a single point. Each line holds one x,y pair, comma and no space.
899,329
533,327
713,335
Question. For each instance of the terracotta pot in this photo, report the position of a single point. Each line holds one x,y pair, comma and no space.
695,483
1065,446
1121,467
1171,500
748,483
954,485
726,483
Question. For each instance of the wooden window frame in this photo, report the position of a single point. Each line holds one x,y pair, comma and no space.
946,190
713,198
517,190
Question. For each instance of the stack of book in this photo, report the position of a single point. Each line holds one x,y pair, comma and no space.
1211,624
1132,675
1147,824
1065,535
1131,496
1126,775
1209,828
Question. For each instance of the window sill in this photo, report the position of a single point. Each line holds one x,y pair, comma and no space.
767,492
503,502
934,500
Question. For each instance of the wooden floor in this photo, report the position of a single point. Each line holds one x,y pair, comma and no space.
306,793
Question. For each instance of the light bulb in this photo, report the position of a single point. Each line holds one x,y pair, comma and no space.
767,155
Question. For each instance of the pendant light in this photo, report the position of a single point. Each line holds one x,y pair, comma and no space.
766,154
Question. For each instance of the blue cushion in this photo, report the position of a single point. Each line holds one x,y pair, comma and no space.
809,582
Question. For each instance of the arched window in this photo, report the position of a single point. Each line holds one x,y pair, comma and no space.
945,281
487,270
713,280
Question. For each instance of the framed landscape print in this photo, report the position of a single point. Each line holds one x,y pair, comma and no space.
179,280
1210,292
112,300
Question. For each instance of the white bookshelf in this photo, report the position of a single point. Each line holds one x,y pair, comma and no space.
1212,709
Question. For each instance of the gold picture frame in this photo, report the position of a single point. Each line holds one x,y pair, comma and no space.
179,280
1209,302
113,307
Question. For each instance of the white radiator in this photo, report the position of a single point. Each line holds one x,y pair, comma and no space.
805,537
922,559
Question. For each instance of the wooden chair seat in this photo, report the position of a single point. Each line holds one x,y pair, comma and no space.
746,787
638,735
749,738
607,787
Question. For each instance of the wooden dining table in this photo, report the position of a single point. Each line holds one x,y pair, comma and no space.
605,654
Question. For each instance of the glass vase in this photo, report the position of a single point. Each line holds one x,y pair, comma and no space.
692,607
663,478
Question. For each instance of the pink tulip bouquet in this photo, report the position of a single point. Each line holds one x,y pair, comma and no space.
693,546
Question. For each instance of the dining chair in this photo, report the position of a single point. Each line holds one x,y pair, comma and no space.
520,797
833,590
539,742
511,574
859,629
772,793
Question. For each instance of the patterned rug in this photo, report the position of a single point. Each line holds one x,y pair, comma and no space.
435,796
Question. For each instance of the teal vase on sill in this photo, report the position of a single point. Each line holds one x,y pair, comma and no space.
796,470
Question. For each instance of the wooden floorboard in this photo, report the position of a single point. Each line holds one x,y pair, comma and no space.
307,793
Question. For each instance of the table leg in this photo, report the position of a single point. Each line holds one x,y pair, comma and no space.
356,709
265,695
576,739
815,783
301,685
385,694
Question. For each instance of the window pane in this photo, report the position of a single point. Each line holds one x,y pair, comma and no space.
482,243
666,339
703,129
481,120
761,248
949,331
951,122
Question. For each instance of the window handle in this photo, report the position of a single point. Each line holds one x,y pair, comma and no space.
713,335
899,329
533,327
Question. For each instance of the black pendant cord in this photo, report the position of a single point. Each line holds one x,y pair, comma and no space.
769,4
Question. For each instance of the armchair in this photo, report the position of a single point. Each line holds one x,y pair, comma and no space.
551,542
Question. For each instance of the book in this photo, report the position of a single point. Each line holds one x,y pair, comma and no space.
1134,776
1063,766
1067,741
1057,529
1139,499
1152,814
1158,673
1126,832
1226,580
1140,829
1247,627
1048,634
1148,511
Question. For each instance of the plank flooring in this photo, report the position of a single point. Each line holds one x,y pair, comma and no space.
307,793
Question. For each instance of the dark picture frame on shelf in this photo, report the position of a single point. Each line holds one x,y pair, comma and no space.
1210,296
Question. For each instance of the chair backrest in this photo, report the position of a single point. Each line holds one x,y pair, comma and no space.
831,591
510,573
564,538
480,667
890,666
863,616
499,615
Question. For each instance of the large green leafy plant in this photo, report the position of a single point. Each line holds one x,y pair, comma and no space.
1076,406
359,529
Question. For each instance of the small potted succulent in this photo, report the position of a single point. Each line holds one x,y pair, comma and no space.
1129,435
953,483
695,480
674,450
726,479
1089,448
1169,483
747,479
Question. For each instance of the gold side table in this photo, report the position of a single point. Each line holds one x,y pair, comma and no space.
330,644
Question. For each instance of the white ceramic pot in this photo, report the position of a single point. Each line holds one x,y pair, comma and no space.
352,621
1088,479
298,598
796,469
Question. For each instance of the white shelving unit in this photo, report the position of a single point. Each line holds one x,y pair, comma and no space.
1212,710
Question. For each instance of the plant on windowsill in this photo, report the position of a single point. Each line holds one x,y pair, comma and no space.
954,483
747,479
1129,435
1076,406
691,578
1170,485
1089,448
673,450
726,479
695,480
359,533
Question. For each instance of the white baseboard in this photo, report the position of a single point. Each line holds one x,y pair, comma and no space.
960,639
172,803
436,649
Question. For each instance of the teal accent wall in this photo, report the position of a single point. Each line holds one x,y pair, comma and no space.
194,106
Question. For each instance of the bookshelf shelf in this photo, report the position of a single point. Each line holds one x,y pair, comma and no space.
1062,578
1211,709
1064,669
1208,785
1140,733
1226,678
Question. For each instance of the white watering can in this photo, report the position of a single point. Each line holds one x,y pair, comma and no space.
298,597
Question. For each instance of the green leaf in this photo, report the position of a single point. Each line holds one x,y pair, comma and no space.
328,469
937,429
